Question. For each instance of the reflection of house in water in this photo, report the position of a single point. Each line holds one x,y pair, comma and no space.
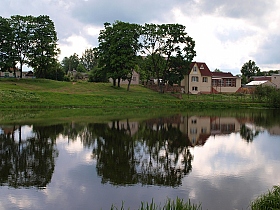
197,128
200,128
130,127
275,130
224,125
8,130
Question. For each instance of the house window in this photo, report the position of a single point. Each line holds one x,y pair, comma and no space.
194,79
194,69
203,130
133,78
228,83
193,140
204,79
194,88
201,67
193,121
193,130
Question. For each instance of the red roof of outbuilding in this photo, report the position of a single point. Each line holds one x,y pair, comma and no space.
262,78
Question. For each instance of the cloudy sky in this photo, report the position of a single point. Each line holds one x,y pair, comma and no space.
227,33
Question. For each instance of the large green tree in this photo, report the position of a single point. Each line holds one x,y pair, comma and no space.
248,70
117,50
170,48
5,43
21,39
29,40
43,50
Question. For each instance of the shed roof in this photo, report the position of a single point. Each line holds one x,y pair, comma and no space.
256,83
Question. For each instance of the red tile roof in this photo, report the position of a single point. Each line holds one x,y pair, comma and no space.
221,74
262,78
203,68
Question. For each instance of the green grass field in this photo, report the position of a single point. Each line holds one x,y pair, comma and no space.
42,93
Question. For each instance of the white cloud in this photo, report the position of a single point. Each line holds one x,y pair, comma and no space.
227,33
73,44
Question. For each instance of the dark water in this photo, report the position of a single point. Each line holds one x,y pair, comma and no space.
221,161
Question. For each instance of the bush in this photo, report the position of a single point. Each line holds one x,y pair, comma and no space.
97,75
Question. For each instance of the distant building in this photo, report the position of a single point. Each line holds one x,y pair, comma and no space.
135,79
201,80
275,79
260,83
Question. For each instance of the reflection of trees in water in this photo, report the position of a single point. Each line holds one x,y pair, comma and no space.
28,162
154,152
155,155
247,133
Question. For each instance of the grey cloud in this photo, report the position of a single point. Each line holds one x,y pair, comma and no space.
269,52
251,9
98,12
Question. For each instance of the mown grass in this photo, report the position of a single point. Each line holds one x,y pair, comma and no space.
270,200
42,93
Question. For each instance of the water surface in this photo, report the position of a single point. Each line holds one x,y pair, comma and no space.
221,161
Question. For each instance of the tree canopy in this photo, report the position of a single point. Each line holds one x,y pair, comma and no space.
29,40
248,70
117,50
170,49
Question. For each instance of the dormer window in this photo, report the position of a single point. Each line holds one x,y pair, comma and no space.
194,69
201,67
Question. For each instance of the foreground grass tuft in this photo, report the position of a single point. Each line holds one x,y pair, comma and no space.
270,200
178,204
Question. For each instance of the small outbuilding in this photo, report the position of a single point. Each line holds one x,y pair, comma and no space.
260,83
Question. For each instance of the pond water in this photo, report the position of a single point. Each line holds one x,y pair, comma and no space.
221,161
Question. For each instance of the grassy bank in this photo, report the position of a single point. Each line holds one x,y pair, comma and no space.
41,93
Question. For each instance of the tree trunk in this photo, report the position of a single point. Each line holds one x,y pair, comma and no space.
129,82
119,82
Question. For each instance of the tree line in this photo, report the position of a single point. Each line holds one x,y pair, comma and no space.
162,51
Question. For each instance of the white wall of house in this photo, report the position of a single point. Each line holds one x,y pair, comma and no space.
10,74
135,80
275,78
196,83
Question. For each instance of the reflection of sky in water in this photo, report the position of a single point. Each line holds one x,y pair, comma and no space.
227,173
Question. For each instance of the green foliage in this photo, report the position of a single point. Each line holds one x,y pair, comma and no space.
5,44
170,48
88,59
118,45
249,70
97,75
81,68
268,94
43,51
71,63
270,200
29,41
